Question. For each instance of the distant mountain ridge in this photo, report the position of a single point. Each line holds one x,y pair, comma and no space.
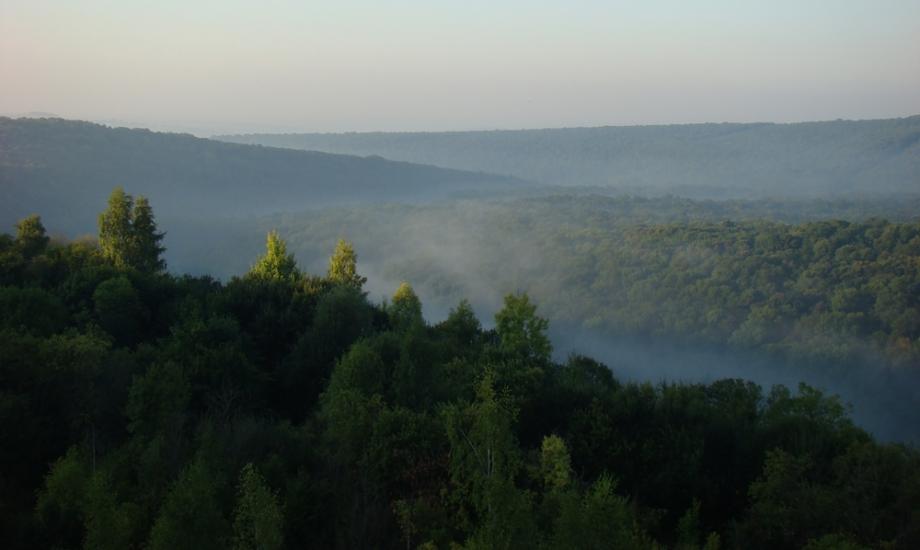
65,169
727,160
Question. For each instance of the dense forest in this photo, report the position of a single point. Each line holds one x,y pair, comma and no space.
824,288
761,160
788,288
282,408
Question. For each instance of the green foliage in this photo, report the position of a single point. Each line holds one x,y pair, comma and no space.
116,238
713,542
343,266
61,501
146,245
120,310
462,327
191,516
372,429
555,464
599,519
785,278
32,310
688,528
158,400
522,332
128,234
484,463
30,236
833,542
258,521
276,264
784,503
406,309
109,524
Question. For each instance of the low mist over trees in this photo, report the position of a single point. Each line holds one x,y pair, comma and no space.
283,409
824,290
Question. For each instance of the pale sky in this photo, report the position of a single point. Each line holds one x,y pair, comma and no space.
312,65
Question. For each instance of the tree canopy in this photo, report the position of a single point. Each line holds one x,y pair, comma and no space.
343,266
141,409
276,264
128,235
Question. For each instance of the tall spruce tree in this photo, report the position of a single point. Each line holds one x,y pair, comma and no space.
146,239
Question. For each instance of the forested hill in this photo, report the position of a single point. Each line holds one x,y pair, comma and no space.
66,169
814,159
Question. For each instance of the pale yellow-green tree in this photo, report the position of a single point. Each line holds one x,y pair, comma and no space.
276,264
343,266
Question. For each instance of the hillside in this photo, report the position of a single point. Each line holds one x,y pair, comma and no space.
66,169
814,159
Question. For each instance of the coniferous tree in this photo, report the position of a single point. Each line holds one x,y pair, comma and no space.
276,264
343,266
146,242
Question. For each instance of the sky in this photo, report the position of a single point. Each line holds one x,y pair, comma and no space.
218,66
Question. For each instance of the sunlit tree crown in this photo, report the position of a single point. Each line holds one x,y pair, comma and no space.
276,264
343,266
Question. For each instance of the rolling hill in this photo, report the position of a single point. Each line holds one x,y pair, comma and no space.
809,160
65,169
